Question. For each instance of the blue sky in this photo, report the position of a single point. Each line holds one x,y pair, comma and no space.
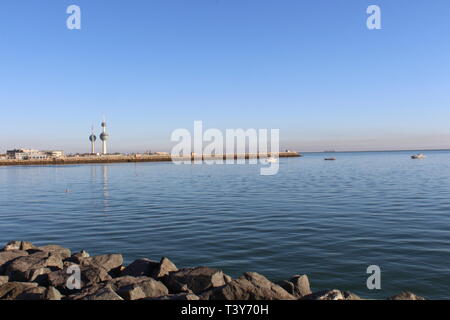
310,68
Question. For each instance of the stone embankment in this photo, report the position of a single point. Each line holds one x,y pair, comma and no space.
29,272
133,158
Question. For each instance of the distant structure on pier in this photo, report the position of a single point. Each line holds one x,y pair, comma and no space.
92,138
104,137
30,154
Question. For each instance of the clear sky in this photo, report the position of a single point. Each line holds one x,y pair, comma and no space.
310,68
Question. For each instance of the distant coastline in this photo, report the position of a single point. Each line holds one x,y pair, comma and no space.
132,158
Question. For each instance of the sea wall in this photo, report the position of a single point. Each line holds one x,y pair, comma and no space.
132,158
52,272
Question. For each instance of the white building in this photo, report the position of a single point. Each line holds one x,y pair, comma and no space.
30,154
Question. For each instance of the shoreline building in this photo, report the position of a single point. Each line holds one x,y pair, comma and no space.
30,154
104,137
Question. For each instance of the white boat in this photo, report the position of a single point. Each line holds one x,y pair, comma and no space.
418,156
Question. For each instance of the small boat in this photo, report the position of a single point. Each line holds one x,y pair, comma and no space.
418,156
330,159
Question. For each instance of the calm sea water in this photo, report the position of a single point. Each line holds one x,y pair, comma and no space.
330,220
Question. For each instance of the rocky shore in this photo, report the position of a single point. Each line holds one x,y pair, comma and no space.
29,272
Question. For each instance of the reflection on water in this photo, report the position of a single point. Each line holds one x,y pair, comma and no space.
330,220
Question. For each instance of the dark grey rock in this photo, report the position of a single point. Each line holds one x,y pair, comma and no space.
62,252
298,286
105,293
108,262
250,286
198,279
147,288
23,268
90,275
7,256
141,267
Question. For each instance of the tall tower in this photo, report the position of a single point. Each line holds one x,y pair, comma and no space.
92,138
104,137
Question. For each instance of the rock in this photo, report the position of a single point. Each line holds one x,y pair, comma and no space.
39,293
331,295
18,245
165,266
90,274
350,296
108,262
180,296
250,286
77,257
147,288
227,278
287,285
406,296
197,279
3,280
8,256
38,275
23,268
298,286
106,293
141,267
53,294
64,253
127,287
10,290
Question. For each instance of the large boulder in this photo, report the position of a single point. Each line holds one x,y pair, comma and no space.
127,287
406,296
298,286
40,293
331,295
250,286
53,249
10,290
3,280
146,288
108,262
105,293
18,245
197,280
141,267
23,268
89,274
164,268
8,256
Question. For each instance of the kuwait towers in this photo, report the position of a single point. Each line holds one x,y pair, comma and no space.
104,136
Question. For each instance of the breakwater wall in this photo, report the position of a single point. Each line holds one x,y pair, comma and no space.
52,272
135,158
